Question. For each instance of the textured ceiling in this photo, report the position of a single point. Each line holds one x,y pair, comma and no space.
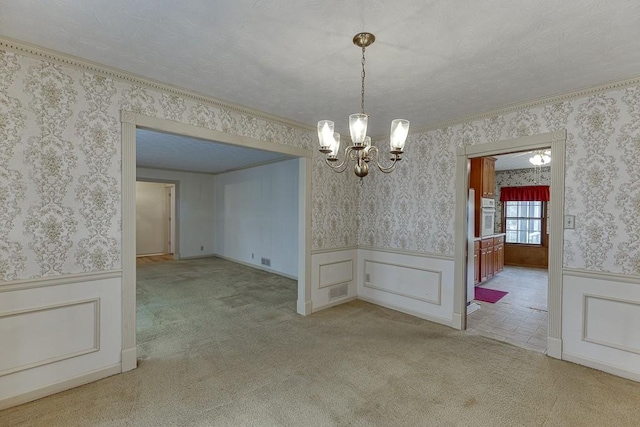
432,61
166,151
506,162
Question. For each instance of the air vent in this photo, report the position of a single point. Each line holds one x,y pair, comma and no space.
266,262
338,291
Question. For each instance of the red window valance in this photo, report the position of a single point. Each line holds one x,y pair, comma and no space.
531,193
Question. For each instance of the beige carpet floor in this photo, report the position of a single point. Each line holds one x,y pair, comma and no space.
221,345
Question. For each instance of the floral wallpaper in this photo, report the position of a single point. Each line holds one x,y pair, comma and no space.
519,178
414,207
60,166
60,173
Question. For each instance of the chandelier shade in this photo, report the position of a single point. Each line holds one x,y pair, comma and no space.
361,151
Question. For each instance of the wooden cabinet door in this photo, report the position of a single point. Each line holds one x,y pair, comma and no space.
488,176
500,257
476,262
483,264
490,261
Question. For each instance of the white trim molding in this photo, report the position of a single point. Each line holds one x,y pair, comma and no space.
57,387
65,279
91,349
557,141
436,301
585,322
44,54
601,275
130,121
441,320
335,282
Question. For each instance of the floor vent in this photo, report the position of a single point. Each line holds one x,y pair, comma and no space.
339,291
266,261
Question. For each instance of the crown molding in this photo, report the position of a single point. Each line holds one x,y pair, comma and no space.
45,54
28,49
537,102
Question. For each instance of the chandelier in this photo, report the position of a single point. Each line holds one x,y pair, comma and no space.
361,151
541,158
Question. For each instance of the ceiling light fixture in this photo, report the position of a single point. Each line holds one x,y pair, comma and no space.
541,158
361,151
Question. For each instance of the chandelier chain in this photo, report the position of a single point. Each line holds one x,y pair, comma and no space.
362,75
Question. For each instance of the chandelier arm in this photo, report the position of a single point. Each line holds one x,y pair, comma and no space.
345,162
376,159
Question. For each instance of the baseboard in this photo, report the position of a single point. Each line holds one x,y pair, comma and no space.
50,389
435,319
197,256
456,321
129,357
554,347
614,370
304,308
334,303
257,267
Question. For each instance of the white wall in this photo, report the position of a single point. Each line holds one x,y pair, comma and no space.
417,284
57,335
151,218
257,216
195,216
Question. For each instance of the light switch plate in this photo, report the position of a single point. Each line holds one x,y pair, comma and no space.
569,222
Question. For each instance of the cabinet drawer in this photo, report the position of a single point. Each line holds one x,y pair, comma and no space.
498,240
486,243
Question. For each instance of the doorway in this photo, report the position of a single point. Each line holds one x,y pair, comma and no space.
132,121
555,140
155,218
508,296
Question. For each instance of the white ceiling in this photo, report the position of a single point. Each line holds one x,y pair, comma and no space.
505,162
167,151
432,61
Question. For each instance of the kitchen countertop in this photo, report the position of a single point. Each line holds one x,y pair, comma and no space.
476,239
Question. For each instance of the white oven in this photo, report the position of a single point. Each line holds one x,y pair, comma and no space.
487,216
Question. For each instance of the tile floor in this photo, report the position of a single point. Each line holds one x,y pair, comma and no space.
520,318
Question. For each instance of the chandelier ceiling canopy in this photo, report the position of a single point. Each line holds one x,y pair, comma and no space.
361,151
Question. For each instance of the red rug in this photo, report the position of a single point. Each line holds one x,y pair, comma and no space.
489,295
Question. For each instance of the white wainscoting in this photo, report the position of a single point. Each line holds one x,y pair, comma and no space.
601,321
332,277
416,284
54,335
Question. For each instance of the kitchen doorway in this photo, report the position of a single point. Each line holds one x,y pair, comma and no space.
549,333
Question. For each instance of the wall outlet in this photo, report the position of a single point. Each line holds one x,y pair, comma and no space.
569,222
251,255
367,277
202,248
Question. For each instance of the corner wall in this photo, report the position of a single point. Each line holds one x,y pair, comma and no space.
256,216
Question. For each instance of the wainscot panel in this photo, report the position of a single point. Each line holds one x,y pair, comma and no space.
417,284
332,277
600,321
57,332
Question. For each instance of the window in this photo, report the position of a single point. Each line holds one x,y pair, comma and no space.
523,222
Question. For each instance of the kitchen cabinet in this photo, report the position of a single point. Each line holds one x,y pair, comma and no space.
498,254
476,262
486,259
482,178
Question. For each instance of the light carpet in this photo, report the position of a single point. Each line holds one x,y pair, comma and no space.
221,345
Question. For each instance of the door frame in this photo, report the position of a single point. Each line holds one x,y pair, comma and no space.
175,220
130,121
557,141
